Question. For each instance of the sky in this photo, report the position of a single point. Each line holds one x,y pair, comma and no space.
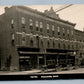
74,13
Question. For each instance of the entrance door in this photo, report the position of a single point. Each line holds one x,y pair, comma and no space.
24,64
41,61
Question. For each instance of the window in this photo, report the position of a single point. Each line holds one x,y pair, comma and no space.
48,44
13,38
41,26
47,28
12,23
53,29
23,20
68,32
72,32
23,34
64,46
37,26
23,38
31,42
41,43
63,32
58,29
31,24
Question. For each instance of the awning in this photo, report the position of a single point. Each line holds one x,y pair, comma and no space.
41,53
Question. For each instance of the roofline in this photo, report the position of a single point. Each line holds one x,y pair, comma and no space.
38,12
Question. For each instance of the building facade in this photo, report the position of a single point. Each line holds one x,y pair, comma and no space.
31,39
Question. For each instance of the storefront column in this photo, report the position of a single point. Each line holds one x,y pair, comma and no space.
44,59
38,62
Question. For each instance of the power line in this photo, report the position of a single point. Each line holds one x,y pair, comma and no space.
63,7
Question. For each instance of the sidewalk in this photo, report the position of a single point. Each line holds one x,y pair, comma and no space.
35,71
19,72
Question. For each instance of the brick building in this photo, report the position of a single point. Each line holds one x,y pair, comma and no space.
29,38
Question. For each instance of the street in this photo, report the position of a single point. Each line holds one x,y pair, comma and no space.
32,72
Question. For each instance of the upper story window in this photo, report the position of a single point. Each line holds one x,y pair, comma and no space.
23,34
67,31
37,26
47,28
13,37
72,32
58,29
41,25
31,43
12,23
53,28
63,32
30,22
23,20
